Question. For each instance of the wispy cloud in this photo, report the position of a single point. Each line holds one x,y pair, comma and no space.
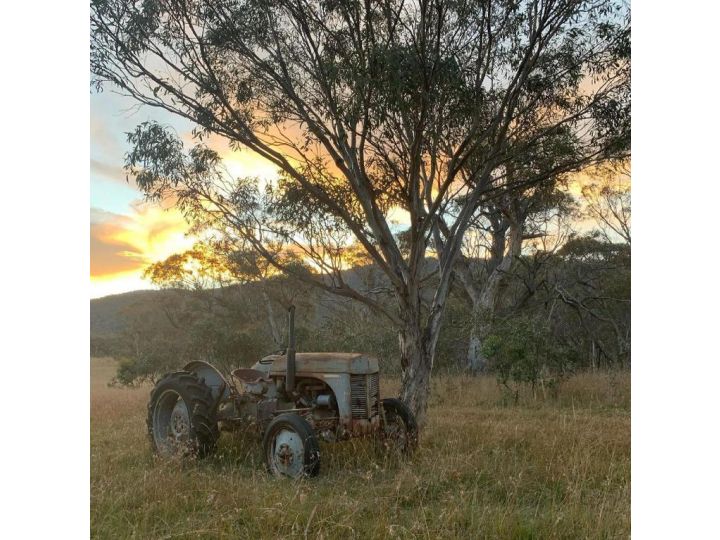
110,172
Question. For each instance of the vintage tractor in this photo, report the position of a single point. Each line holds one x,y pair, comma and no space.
292,398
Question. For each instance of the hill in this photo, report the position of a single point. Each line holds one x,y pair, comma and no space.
109,314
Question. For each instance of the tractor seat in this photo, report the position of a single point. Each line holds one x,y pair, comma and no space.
249,376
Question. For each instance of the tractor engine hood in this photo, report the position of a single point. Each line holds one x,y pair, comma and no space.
322,362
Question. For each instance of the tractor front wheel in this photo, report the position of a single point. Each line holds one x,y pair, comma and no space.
180,417
291,448
399,431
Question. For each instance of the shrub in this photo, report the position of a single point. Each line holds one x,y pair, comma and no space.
523,351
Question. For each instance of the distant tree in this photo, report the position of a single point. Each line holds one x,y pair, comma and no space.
593,285
523,350
492,249
211,265
364,107
607,202
152,343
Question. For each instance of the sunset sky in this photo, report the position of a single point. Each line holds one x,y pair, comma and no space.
126,233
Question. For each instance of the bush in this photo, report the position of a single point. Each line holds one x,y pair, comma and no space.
524,351
133,371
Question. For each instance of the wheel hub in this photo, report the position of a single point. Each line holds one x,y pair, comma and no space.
179,421
288,453
285,455
171,424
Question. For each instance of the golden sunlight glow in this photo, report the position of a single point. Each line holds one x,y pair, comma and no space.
239,163
116,284
618,174
155,233
398,216
122,245
245,163
596,174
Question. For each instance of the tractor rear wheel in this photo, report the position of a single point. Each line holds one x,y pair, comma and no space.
291,448
399,431
180,417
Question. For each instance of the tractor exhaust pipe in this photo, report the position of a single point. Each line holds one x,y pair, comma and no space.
290,353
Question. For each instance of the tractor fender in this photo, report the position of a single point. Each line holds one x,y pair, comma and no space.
213,378
339,383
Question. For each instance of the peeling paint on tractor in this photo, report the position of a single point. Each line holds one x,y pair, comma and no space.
335,370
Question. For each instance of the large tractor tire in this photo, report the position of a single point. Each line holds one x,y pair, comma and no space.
399,433
180,417
291,448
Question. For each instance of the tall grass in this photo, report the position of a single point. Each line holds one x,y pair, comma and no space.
485,469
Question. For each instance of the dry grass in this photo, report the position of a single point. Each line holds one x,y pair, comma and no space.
541,469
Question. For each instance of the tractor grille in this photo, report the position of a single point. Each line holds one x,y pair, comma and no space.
364,395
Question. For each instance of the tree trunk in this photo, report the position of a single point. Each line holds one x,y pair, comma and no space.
271,319
488,300
416,360
476,361
418,340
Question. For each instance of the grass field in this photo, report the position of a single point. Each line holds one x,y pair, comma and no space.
539,469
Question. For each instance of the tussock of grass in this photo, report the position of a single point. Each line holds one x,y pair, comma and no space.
485,469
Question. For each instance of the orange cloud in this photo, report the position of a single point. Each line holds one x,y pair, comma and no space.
108,253
122,244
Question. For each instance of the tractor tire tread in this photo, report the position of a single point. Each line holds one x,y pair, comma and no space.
198,396
400,408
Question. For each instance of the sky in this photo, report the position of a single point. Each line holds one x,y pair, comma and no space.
126,232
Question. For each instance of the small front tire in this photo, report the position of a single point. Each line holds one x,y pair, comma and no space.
399,433
291,448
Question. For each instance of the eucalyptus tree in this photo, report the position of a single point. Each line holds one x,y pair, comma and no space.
491,257
364,108
493,260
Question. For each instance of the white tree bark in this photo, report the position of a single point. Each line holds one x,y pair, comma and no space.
488,297
271,320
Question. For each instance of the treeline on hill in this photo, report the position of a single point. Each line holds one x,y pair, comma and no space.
562,310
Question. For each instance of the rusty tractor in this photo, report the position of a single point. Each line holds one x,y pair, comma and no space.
292,399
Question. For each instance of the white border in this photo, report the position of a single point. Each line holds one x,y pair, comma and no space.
45,263
676,368
44,222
